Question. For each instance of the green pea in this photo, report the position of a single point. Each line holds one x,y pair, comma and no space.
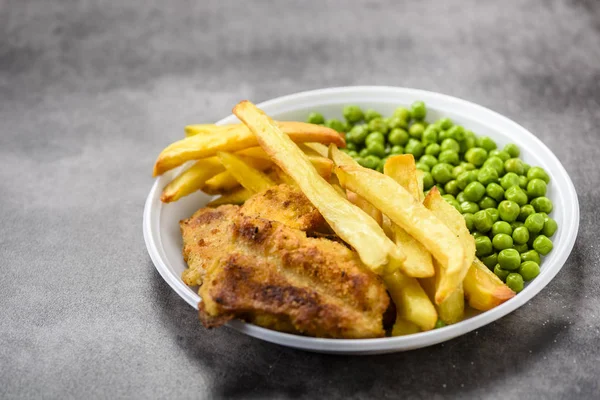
477,234
534,223
461,197
353,114
483,246
501,273
508,210
380,167
466,178
402,113
520,235
398,137
371,114
490,261
526,166
515,282
509,259
487,202
418,110
439,324
538,173
536,188
466,144
378,125
335,124
397,123
430,135
515,224
474,191
357,134
523,182
486,143
510,179
469,207
433,149
375,137
449,157
482,221
525,212
495,191
352,153
423,167
495,163
550,227
529,270
468,219
531,255
502,241
467,166
442,173
514,165
445,123
501,154
450,144
542,245
397,150
350,145
521,248
315,118
487,175
371,161
542,204
415,148
440,189
451,187
516,194
427,180
512,150
428,160
376,148
416,130
443,135
457,133
476,156
493,212
363,153
501,227
452,201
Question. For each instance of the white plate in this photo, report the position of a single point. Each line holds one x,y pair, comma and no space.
163,239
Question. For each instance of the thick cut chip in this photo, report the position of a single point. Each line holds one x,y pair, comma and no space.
412,303
365,206
237,197
322,164
452,278
403,327
192,179
402,169
350,223
483,289
289,127
232,139
249,177
452,309
225,182
407,212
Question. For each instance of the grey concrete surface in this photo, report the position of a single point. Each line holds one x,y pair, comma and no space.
90,91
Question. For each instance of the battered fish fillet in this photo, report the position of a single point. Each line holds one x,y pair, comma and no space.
266,272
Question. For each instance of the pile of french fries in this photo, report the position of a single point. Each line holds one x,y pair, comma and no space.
420,246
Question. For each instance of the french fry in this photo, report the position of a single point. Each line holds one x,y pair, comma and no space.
412,303
452,309
237,196
225,182
319,148
192,179
402,169
249,177
196,129
404,327
451,279
483,289
420,177
407,212
350,223
323,164
232,139
365,206
286,126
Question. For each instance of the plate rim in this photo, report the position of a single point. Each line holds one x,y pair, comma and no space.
387,344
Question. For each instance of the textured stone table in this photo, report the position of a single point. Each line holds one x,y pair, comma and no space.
91,91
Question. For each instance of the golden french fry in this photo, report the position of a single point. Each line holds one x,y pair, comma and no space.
365,206
319,148
412,303
402,169
452,278
323,164
350,223
191,130
407,212
232,139
483,289
191,180
225,182
452,309
237,196
248,176
420,177
404,327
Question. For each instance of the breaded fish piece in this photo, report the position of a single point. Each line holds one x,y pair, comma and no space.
277,277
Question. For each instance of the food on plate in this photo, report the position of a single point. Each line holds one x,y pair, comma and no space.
265,271
348,221
360,228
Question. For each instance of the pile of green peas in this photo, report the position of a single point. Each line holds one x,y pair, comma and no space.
502,199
